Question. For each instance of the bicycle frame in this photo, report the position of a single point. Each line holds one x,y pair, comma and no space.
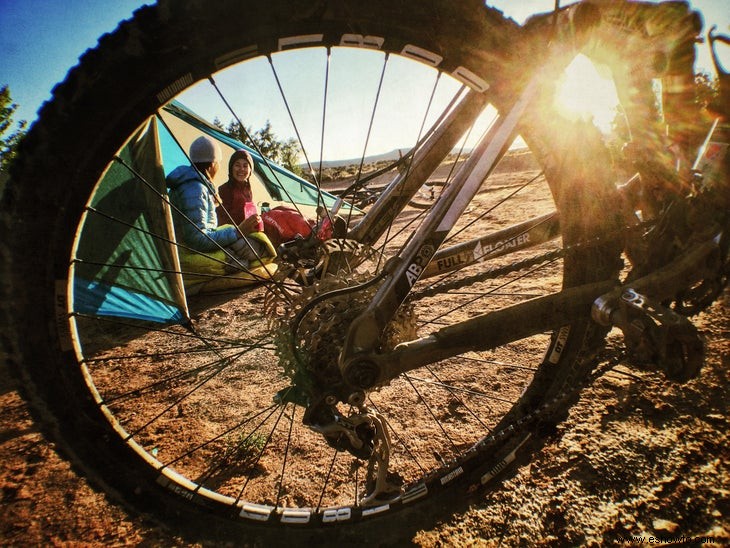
420,251
363,367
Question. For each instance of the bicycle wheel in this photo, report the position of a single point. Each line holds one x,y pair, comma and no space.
198,419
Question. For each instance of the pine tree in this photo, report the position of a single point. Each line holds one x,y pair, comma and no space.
9,137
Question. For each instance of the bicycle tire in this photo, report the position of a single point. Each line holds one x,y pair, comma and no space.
169,46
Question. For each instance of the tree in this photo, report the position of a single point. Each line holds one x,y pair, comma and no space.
8,141
707,89
265,141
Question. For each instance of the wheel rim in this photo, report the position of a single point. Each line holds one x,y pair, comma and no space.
198,406
163,391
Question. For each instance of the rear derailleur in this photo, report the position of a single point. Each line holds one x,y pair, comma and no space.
363,434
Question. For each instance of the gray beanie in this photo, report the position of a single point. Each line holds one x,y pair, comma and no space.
204,149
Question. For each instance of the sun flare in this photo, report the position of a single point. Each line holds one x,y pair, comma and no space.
584,93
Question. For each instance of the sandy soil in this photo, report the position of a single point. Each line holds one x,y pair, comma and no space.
638,458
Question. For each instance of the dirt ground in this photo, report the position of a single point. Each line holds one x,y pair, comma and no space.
639,457
639,461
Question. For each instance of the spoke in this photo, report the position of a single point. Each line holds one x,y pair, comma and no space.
494,294
449,388
148,233
417,219
327,479
254,145
180,376
422,214
370,128
261,451
293,122
410,163
452,391
223,462
499,363
217,367
286,456
155,355
495,206
324,123
183,352
147,328
429,410
176,401
400,439
317,181
220,464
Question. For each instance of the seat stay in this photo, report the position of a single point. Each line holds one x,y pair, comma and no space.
403,272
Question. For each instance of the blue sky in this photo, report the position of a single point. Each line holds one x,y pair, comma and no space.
41,39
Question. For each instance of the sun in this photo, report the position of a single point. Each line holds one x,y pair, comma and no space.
584,93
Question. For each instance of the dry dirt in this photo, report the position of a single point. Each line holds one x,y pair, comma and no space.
639,460
638,457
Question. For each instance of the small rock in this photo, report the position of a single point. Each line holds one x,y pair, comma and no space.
716,419
665,525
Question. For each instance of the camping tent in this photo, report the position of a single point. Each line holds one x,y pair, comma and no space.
178,126
126,260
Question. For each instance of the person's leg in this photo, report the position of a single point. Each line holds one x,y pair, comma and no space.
247,250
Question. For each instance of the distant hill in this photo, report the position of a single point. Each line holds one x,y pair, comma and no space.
385,157
342,173
521,156
520,159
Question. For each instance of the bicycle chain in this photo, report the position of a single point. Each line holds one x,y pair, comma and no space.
530,262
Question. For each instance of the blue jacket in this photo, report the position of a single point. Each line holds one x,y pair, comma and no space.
193,196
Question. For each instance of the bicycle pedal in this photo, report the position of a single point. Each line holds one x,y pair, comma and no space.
671,340
656,335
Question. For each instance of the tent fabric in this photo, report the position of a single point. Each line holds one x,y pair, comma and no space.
102,299
270,182
126,263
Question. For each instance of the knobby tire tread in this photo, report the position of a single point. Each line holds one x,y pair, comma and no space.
67,149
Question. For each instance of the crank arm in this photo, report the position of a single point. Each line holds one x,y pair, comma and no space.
663,284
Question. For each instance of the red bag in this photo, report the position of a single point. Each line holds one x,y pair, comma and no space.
283,224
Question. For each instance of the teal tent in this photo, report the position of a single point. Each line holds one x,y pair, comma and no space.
126,261
179,126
